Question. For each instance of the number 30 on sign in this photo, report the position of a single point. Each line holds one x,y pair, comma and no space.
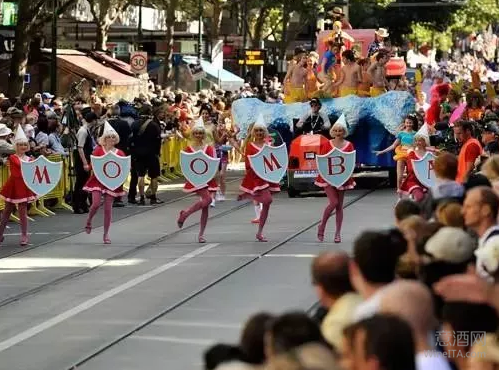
138,62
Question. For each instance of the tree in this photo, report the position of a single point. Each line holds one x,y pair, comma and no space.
105,13
31,17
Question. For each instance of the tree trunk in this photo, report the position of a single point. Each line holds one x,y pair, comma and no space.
283,44
170,28
19,60
259,24
217,22
102,32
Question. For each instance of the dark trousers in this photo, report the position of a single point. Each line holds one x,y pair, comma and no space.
79,196
134,179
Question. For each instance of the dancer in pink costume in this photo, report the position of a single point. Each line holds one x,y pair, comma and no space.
15,192
335,195
206,191
107,143
252,185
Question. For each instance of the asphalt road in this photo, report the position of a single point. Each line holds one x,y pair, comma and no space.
156,298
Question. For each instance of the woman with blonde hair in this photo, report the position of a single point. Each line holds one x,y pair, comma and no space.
335,195
491,170
252,185
107,143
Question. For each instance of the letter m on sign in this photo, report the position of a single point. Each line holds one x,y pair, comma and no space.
41,176
270,163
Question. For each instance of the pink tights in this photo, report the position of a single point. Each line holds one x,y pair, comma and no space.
108,208
417,194
23,217
202,204
335,198
265,198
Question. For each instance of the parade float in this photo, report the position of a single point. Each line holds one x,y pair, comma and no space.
372,122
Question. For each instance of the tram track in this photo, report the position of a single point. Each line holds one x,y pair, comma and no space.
210,285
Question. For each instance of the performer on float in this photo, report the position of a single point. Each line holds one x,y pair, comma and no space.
326,74
312,82
15,192
296,78
335,195
378,44
107,143
401,145
204,192
350,76
364,89
253,186
411,186
377,71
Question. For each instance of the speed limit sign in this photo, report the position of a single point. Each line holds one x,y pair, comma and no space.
138,61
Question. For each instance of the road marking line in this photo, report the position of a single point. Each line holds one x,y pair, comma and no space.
31,332
197,324
41,233
199,342
292,255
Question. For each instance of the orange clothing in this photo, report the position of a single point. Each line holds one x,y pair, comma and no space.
469,152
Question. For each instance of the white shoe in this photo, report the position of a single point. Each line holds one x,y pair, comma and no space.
218,197
221,198
212,203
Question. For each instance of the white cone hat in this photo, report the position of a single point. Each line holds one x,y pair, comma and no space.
423,133
108,130
199,125
341,121
20,136
260,121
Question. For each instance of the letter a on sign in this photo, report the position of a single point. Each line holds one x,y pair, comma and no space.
423,169
270,163
336,167
111,169
41,176
198,167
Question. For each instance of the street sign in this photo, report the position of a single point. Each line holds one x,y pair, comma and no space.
138,61
253,57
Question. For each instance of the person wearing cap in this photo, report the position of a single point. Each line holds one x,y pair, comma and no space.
205,192
46,100
339,16
252,186
335,195
6,148
315,121
490,140
107,143
379,35
15,192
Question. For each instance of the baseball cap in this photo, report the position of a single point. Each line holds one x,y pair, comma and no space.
315,101
491,127
451,245
47,95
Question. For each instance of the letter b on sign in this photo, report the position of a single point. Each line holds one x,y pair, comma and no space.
336,165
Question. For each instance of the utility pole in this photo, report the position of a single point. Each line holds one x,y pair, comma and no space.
200,40
53,63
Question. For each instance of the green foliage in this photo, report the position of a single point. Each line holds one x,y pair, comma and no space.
475,15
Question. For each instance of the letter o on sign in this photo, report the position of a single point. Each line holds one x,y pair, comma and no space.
111,169
199,166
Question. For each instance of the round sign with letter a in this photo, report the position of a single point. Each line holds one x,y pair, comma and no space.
41,176
336,167
423,169
198,167
111,169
